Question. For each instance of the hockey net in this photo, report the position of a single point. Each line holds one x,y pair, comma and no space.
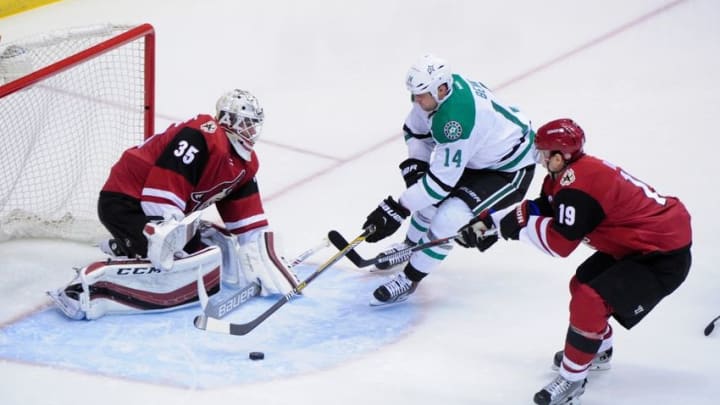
70,103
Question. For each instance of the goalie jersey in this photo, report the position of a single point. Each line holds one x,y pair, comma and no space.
187,168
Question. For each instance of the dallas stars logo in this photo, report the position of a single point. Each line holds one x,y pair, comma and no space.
430,69
452,130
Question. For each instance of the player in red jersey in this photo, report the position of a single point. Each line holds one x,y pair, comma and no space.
642,240
151,205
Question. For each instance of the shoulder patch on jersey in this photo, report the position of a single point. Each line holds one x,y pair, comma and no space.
452,130
209,127
455,118
567,178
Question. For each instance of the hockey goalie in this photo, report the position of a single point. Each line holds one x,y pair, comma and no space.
152,203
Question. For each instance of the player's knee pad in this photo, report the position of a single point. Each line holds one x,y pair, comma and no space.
137,286
420,223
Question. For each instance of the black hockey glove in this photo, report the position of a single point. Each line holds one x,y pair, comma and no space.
473,234
386,218
515,220
412,170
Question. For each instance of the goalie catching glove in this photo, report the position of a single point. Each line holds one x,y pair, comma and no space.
167,239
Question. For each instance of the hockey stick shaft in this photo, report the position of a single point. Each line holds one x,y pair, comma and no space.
400,256
217,325
220,309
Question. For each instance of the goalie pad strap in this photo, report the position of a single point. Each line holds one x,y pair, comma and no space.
279,263
260,262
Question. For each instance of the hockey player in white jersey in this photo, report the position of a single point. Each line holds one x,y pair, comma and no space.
467,151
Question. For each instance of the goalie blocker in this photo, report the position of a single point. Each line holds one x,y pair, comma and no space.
126,286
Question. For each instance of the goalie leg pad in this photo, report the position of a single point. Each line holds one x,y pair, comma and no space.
260,261
213,235
137,286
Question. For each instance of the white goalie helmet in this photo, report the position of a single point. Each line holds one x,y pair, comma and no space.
240,113
427,74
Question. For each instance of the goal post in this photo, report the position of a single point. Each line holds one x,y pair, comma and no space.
71,102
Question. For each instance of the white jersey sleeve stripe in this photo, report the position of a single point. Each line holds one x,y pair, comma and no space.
422,194
503,192
165,195
434,188
153,209
535,233
245,222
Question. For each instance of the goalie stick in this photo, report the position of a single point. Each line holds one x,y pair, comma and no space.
218,325
398,257
239,297
711,326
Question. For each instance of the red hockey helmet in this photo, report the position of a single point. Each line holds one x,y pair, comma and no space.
562,135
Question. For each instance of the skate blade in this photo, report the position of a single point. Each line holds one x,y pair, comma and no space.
378,304
384,271
594,367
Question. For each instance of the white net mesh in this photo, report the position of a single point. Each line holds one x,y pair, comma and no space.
62,134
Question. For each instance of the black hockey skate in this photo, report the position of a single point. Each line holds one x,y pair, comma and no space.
396,290
395,255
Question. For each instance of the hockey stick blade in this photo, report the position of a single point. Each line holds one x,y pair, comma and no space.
239,329
340,242
711,326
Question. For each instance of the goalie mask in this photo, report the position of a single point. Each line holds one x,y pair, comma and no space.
239,112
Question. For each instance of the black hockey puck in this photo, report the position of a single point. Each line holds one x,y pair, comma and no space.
257,355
